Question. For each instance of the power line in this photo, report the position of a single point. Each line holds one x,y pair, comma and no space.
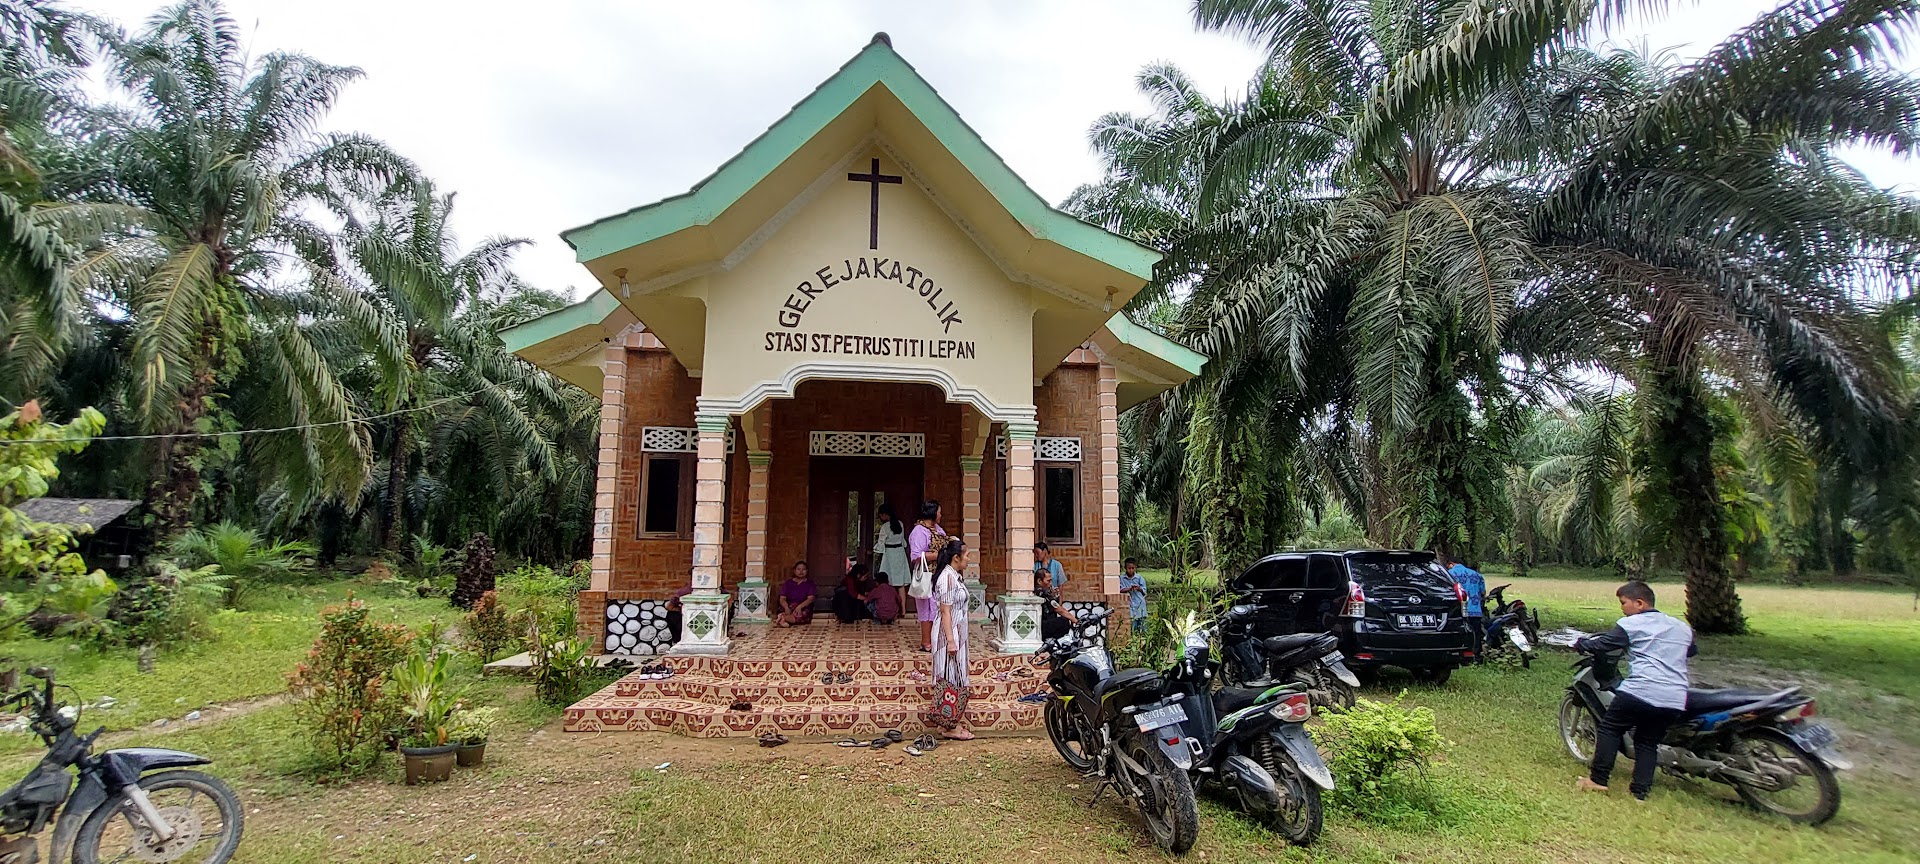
236,432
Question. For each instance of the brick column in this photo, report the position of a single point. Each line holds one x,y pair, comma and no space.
751,605
591,615
1020,610
1110,481
703,625
970,534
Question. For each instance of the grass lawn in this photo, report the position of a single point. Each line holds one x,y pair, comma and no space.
1504,793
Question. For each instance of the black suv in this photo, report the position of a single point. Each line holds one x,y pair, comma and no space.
1388,608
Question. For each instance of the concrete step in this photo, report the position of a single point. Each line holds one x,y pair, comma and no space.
697,687
607,713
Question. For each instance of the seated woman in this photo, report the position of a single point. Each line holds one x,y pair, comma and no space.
850,599
796,598
884,600
1055,618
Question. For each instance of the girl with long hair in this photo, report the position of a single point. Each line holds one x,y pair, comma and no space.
950,628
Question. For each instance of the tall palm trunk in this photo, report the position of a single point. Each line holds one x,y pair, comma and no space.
1684,494
176,482
396,521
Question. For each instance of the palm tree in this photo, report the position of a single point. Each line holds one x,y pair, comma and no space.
422,316
43,51
193,222
1451,210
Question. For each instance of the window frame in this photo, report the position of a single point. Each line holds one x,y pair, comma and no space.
1042,484
683,505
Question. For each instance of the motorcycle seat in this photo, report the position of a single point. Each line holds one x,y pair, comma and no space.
1295,641
1124,678
1227,700
1703,700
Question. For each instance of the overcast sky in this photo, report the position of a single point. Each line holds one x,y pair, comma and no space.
544,116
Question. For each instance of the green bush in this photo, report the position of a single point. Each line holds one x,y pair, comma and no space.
489,629
1373,746
170,606
341,689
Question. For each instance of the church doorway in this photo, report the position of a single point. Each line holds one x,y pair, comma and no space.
843,492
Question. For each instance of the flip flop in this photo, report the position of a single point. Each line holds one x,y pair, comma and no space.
740,706
925,743
772,739
825,677
915,751
849,742
843,678
1033,698
881,743
894,735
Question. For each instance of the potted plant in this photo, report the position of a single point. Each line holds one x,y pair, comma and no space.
421,681
469,733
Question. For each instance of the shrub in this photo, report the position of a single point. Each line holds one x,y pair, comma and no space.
1168,607
563,667
248,559
170,606
544,591
1373,744
341,687
489,629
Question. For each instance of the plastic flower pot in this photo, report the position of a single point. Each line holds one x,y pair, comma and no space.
429,764
471,755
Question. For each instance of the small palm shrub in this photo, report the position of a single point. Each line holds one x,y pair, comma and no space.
242,554
341,689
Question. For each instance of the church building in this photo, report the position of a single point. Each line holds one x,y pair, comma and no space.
864,306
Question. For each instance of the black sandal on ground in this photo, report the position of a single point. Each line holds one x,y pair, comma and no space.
849,742
742,705
772,739
894,735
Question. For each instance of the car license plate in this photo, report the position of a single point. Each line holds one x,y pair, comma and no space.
1416,622
1158,717
1814,736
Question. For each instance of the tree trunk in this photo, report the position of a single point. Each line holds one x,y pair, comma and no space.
176,483
396,523
1839,503
1685,495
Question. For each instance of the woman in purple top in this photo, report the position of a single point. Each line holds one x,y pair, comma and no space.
923,548
796,598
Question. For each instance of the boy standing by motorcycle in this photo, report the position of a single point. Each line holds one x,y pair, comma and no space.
1654,693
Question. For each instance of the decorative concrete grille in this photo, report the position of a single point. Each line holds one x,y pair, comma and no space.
638,627
1093,631
866,444
675,439
1044,449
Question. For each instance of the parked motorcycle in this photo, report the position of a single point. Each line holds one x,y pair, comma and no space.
118,811
1310,660
1510,625
1126,729
1251,742
1764,744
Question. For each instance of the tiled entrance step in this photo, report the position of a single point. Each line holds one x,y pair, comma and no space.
778,673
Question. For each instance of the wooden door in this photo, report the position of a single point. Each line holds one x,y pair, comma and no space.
842,495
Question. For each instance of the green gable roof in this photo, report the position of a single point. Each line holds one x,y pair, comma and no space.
877,64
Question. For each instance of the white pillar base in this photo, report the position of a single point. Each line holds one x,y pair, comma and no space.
703,625
1019,625
976,599
750,606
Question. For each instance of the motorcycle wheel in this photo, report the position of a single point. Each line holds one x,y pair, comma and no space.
1166,798
204,813
1341,694
1434,675
1300,816
1064,730
1811,794
1578,728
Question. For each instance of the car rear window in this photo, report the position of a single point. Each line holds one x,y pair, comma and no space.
1403,571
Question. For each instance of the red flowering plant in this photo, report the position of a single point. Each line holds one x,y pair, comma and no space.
340,689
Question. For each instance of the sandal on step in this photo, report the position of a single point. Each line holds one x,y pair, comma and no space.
1033,698
843,678
741,705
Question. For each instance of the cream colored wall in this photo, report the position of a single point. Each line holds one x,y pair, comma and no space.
764,301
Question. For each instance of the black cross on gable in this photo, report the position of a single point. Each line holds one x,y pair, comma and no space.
873,208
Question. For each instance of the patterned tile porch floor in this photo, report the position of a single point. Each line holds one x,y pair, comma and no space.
777,671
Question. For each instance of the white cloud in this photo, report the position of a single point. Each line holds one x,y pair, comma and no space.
546,116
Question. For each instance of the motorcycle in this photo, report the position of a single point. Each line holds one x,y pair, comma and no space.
1764,744
1251,742
1124,728
1310,660
130,804
1510,624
